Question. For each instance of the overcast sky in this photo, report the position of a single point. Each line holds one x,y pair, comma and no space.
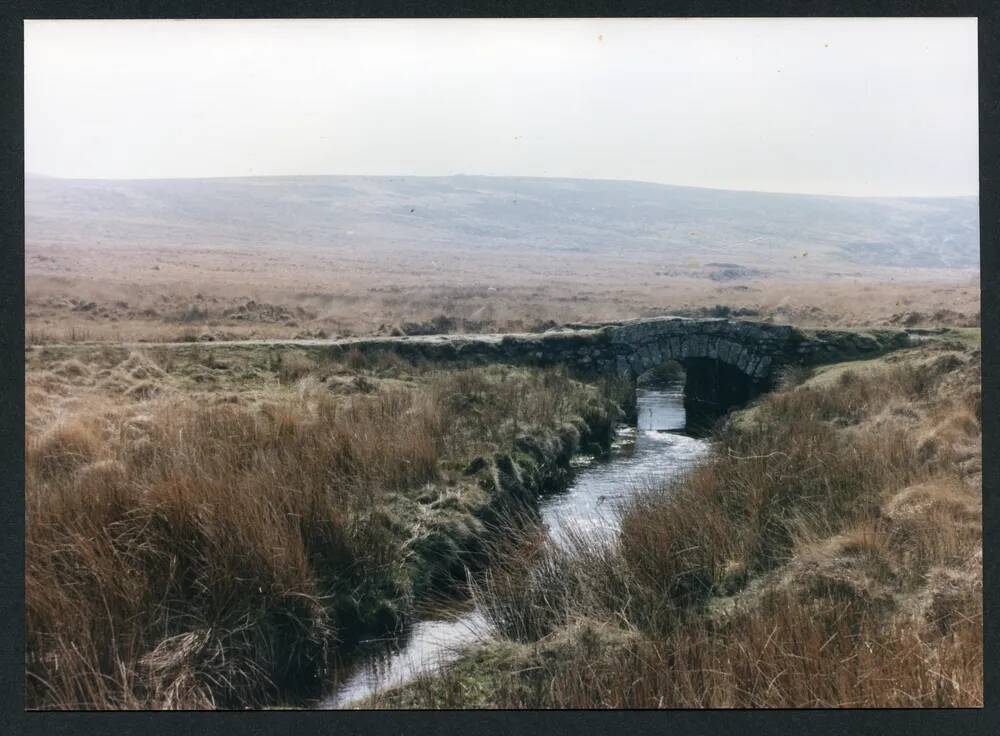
860,107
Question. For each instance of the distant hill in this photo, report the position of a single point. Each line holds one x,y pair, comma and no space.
738,228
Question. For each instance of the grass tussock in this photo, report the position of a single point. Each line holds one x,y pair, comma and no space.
791,470
204,553
783,653
65,447
828,554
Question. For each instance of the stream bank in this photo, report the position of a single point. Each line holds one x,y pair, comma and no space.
651,446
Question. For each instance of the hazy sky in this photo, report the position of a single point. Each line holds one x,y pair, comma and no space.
854,106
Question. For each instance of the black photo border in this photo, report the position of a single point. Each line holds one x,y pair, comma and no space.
913,722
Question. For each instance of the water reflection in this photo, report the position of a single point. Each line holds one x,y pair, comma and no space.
653,451
427,644
649,453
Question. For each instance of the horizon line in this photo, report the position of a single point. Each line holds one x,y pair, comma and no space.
37,175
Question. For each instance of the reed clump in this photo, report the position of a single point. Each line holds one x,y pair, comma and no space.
206,552
827,554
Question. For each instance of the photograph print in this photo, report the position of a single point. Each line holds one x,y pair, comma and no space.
502,364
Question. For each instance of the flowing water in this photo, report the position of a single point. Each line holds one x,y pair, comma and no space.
654,450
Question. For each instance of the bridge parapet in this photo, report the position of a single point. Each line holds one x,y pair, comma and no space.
755,349
727,362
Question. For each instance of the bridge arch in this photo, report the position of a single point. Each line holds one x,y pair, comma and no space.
748,360
721,372
727,362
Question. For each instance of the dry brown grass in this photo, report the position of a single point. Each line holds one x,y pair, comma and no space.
199,552
172,293
784,653
827,555
791,469
204,549
64,448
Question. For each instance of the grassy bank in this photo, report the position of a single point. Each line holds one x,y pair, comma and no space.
205,529
828,554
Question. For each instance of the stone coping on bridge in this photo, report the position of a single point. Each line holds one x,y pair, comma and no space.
626,348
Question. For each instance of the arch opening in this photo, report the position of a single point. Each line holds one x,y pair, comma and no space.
712,388
659,398
667,373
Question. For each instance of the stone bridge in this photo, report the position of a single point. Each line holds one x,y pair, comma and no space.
726,362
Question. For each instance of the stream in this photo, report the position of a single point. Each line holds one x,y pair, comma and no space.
654,450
